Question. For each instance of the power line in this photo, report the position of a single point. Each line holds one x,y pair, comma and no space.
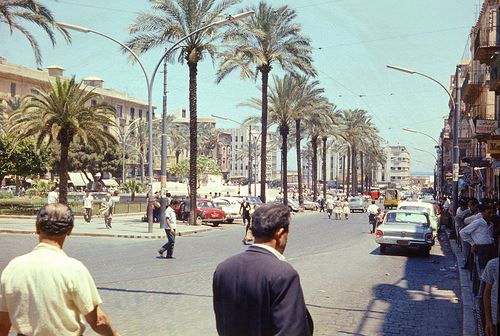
394,37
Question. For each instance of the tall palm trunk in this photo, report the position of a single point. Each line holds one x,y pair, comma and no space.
314,143
343,174
348,175
63,170
265,69
361,162
299,162
193,141
284,130
324,166
354,167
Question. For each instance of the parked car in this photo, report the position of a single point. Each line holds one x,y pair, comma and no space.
406,229
293,205
206,211
311,205
358,204
429,208
230,208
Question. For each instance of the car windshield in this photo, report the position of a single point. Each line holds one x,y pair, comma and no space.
355,199
254,200
405,217
206,204
414,208
221,203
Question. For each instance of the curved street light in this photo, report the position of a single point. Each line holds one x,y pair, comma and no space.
420,132
149,82
455,123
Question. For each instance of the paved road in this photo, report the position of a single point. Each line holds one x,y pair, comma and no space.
350,288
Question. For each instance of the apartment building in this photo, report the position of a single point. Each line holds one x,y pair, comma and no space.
245,143
397,167
19,81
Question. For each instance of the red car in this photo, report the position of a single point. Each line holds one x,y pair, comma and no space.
206,210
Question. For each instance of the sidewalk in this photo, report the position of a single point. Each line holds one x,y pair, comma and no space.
123,227
469,326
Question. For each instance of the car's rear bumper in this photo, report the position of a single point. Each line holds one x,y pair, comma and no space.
404,242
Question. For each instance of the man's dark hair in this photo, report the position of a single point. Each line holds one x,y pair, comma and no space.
268,219
486,206
55,219
373,201
53,188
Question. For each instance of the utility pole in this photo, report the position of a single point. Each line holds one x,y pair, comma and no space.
250,160
163,174
455,153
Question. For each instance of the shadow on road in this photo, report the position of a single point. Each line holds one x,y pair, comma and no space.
423,302
143,291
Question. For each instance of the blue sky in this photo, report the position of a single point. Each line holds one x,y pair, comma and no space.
352,40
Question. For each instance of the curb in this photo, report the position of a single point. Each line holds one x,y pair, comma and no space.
76,216
469,326
111,235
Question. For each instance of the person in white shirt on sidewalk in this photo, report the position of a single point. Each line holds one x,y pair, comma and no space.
87,203
53,196
479,234
373,211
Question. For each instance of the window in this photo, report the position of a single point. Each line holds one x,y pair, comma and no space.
12,89
183,113
241,166
242,138
132,113
236,139
140,114
119,111
93,102
34,91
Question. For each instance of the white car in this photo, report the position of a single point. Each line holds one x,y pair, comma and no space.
231,207
422,207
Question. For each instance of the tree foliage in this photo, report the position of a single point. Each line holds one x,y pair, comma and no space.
205,166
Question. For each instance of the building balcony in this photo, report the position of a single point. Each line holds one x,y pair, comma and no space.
485,42
495,74
474,80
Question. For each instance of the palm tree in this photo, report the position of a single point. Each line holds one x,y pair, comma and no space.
310,98
178,141
63,113
31,11
11,105
172,20
269,37
356,125
319,123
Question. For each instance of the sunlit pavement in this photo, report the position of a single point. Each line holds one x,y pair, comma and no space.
349,287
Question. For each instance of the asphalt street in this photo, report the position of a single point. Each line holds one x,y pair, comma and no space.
349,287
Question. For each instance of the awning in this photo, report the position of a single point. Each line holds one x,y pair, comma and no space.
77,179
109,183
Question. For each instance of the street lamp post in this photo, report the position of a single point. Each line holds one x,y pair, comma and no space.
455,116
150,82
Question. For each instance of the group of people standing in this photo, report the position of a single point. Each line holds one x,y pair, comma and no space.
338,207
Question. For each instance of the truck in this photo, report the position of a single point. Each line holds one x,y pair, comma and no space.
391,198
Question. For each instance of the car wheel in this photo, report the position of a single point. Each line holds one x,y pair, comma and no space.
229,221
215,224
383,249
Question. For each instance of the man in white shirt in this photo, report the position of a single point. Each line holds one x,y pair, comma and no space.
373,210
52,196
479,234
170,225
45,292
87,203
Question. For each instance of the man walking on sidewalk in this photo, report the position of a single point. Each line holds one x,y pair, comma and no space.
87,203
45,292
170,225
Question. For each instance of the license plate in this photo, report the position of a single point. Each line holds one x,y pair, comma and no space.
403,242
214,215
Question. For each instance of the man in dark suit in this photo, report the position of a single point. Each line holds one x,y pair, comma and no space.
257,293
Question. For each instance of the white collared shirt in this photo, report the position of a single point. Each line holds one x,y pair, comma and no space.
46,292
272,250
479,232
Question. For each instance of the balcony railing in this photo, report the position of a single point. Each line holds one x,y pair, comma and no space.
486,43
